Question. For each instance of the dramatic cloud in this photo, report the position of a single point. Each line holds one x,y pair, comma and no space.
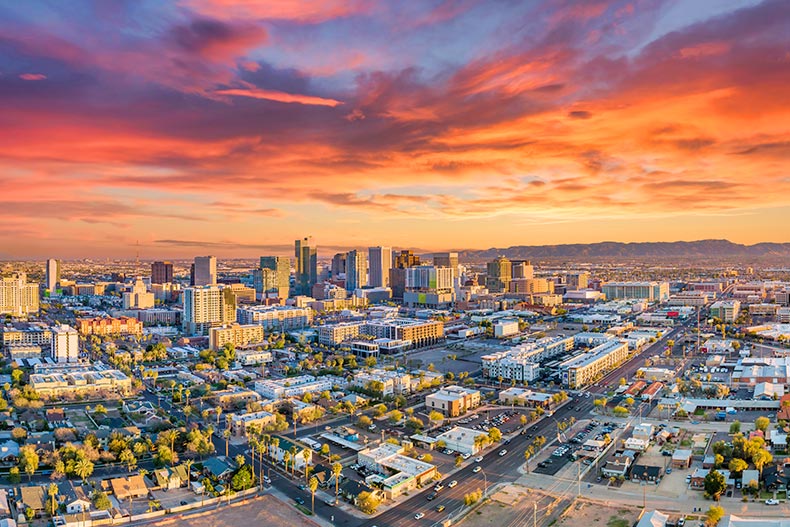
240,125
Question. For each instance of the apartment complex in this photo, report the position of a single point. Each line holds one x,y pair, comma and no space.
334,334
18,298
106,326
81,382
296,386
418,332
33,335
206,307
585,368
275,318
453,401
650,291
393,382
241,423
237,334
65,344
522,363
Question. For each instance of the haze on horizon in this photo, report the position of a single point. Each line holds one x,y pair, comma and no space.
230,127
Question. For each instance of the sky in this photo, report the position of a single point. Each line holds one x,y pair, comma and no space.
233,127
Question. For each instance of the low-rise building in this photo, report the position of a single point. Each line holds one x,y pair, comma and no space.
334,334
725,310
297,386
523,397
505,328
399,473
240,423
461,439
392,382
107,326
251,357
236,334
453,401
585,368
84,381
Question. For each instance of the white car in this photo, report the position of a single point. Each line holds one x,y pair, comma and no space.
772,502
419,516
479,459
452,484
502,452
477,469
466,456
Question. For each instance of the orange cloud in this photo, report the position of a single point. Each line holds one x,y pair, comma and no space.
278,96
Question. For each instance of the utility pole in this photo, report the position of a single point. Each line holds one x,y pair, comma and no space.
579,481
535,514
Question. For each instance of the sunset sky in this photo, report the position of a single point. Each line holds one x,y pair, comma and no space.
232,127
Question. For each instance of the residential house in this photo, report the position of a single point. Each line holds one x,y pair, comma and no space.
699,474
351,489
56,416
5,509
73,497
9,450
681,458
286,445
653,519
32,497
129,487
167,479
750,475
645,473
617,466
709,462
219,466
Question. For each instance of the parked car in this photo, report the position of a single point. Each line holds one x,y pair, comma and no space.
772,502
298,500
478,459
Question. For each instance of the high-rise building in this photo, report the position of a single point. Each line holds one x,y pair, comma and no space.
577,281
65,344
380,265
429,286
53,275
500,272
356,270
522,269
402,261
306,265
446,260
406,259
206,307
18,297
138,297
338,265
205,270
273,278
161,272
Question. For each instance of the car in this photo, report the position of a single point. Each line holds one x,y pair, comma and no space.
421,457
330,503
738,484
431,496
669,470
438,487
681,521
478,459
183,502
267,480
419,516
298,500
477,469
439,508
372,427
772,502
688,478
452,484
507,441
502,452
466,456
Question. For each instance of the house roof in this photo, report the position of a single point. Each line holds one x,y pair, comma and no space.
32,497
653,519
219,465
129,486
652,471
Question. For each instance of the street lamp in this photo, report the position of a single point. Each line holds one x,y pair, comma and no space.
485,483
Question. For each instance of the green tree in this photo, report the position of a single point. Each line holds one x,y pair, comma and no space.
13,475
714,514
337,470
494,434
762,423
395,416
735,427
715,484
620,411
101,501
83,469
52,492
436,416
761,458
364,421
127,458
458,461
368,502
28,460
737,465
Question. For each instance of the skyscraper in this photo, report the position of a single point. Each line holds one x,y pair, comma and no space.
403,261
53,275
522,269
205,270
273,278
380,264
446,260
138,296
500,272
338,264
429,286
356,270
306,265
161,272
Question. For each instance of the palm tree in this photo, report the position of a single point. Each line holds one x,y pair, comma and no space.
293,460
286,460
313,485
337,470
83,469
226,434
218,411
188,466
307,454
52,490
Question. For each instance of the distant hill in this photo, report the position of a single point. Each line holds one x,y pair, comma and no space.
696,249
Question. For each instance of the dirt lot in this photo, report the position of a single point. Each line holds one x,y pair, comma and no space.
265,510
595,515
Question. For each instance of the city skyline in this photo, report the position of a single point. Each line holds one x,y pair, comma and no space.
228,127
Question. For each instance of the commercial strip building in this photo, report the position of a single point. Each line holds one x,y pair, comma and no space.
236,334
398,473
461,439
585,368
275,318
393,382
522,363
523,397
106,326
453,401
649,291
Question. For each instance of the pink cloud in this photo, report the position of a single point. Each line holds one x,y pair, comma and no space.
278,96
32,76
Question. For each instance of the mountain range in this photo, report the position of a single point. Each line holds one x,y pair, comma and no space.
694,249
